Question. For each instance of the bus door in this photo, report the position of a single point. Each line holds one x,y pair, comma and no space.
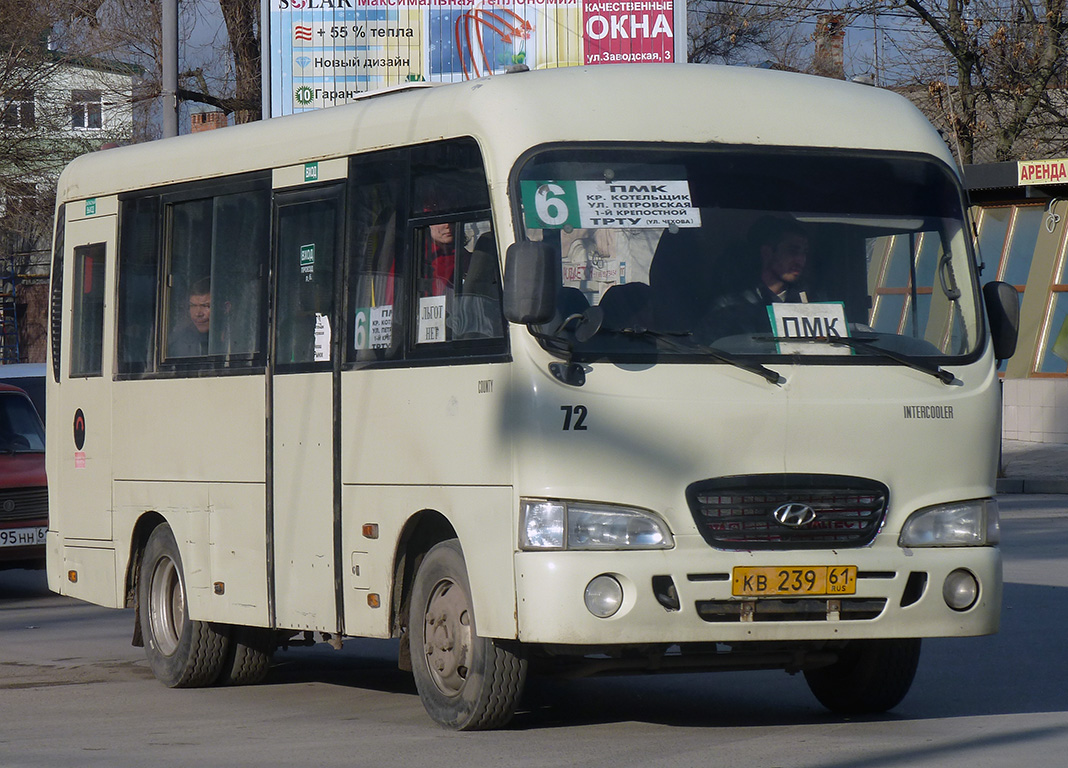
84,402
304,492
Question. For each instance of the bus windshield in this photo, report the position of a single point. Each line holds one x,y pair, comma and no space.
753,251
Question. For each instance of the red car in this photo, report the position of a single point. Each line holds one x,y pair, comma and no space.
23,488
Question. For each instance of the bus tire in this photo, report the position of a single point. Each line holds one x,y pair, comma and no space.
465,682
249,658
182,653
870,676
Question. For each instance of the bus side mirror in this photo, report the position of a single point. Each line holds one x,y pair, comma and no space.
529,282
1003,310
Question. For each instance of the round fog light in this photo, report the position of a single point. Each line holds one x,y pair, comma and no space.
961,590
604,595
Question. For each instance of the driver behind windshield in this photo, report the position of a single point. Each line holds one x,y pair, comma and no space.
779,250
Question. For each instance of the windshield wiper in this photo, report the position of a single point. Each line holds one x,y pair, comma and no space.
588,324
931,369
670,337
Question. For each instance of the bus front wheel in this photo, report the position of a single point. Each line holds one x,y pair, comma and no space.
869,677
465,682
182,653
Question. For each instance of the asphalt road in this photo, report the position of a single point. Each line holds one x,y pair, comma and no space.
73,692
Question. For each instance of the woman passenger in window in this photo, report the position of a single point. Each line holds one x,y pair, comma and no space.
440,259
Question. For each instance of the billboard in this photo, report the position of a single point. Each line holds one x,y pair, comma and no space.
327,52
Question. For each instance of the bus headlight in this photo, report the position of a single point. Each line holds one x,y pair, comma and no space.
963,524
578,525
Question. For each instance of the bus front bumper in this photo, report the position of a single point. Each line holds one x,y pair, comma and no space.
685,595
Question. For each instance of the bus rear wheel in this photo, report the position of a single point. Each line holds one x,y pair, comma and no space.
465,682
249,657
182,653
870,676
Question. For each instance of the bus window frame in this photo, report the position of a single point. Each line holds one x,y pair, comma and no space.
407,353
450,348
161,366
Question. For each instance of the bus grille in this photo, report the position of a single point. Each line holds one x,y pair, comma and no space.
23,503
813,511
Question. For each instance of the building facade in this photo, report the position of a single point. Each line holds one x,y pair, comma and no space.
1021,218
59,109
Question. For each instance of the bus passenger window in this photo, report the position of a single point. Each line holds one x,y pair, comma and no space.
458,282
138,266
87,332
448,177
188,308
239,252
377,197
214,304
456,271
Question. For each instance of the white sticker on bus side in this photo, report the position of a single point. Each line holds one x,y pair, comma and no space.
431,320
322,338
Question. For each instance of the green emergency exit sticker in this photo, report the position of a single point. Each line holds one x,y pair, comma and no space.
90,207
311,171
307,261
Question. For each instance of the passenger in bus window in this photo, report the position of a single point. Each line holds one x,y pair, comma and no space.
781,256
461,274
477,311
440,260
190,336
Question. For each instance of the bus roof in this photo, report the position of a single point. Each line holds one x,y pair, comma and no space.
634,102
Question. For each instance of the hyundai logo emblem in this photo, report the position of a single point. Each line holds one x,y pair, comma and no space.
794,515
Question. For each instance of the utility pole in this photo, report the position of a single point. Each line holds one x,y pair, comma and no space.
265,60
169,92
875,40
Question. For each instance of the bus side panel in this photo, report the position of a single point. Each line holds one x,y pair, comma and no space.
79,428
85,573
484,526
429,438
237,545
199,463
434,425
221,538
170,435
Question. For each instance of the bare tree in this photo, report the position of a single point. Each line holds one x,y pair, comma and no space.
220,70
757,33
243,22
999,62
